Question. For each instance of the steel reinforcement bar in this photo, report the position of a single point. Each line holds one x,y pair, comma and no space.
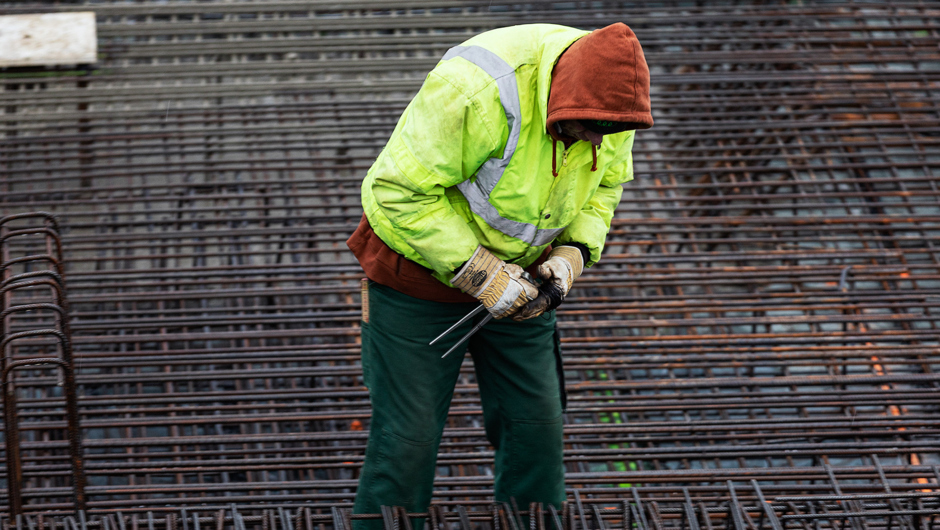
757,348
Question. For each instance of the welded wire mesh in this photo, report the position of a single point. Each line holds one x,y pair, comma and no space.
765,308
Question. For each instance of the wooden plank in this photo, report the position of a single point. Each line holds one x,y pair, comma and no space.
48,39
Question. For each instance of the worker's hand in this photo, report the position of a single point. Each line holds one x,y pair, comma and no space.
497,284
563,266
533,309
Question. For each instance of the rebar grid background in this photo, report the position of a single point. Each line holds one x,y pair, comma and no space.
765,309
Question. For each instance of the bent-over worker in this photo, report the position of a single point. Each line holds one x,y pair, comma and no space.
510,157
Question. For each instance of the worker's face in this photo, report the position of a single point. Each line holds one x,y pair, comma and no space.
574,129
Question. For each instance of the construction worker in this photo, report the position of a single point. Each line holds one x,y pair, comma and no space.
510,157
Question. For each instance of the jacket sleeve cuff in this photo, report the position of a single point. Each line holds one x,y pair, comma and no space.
585,252
592,223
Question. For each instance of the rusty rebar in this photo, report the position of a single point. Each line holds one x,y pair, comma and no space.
765,312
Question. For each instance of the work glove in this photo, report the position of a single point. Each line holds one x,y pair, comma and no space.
500,286
563,266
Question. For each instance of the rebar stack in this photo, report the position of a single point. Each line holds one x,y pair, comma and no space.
29,350
761,333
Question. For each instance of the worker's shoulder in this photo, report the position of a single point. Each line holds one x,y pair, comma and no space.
472,83
474,66
528,43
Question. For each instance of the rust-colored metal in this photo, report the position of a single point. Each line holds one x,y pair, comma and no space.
29,281
765,311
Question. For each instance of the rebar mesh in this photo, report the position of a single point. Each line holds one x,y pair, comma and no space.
765,309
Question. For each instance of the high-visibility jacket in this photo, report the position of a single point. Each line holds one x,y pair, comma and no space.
470,161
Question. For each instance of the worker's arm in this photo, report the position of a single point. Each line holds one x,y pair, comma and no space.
441,140
592,223
582,241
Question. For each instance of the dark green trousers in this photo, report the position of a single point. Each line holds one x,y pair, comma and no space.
410,386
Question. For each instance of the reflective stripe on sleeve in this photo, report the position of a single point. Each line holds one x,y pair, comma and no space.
478,192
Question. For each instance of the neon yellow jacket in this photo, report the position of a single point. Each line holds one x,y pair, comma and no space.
470,161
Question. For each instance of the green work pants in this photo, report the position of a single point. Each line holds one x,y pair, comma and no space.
517,367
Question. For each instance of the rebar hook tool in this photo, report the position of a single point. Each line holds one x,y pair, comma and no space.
463,339
525,275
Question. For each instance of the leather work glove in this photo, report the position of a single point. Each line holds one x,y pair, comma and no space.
497,284
563,266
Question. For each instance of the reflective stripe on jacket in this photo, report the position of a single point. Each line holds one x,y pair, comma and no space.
470,161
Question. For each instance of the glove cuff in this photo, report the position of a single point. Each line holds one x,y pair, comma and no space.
499,298
574,258
477,274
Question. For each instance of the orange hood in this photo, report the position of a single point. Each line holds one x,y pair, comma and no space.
602,76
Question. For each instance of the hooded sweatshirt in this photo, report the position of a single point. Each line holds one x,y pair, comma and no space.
602,76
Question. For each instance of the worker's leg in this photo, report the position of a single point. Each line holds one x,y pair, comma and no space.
519,383
410,387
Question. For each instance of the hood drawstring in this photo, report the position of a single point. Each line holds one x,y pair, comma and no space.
554,163
555,159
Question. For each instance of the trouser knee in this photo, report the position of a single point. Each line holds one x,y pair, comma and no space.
532,466
398,472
